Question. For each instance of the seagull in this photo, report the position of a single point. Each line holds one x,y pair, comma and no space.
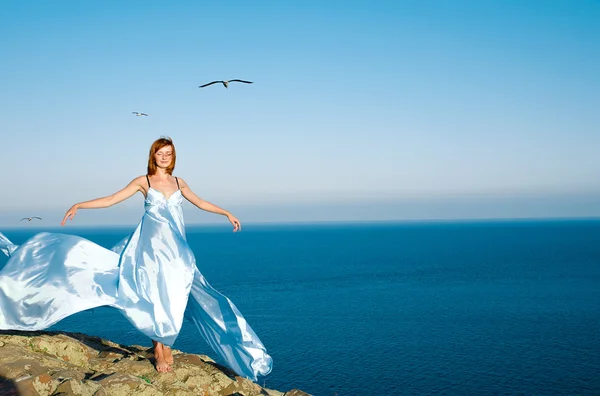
225,83
31,218
139,114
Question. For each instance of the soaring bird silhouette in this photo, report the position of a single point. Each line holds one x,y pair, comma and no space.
31,218
139,114
225,83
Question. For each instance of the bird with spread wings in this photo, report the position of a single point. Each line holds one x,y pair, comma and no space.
139,114
31,218
225,83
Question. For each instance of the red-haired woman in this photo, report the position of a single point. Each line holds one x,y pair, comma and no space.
151,276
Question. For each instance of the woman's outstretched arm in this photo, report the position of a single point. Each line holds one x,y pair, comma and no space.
134,186
207,206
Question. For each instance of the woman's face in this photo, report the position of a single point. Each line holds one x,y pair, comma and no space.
164,156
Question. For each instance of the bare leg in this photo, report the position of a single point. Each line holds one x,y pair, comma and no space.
159,356
168,354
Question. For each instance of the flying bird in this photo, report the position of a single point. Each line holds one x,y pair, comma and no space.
139,114
31,218
225,83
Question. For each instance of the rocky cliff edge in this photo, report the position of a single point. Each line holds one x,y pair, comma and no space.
61,363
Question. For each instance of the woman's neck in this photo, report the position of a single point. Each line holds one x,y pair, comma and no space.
161,174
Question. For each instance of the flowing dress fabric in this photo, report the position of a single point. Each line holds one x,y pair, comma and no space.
150,276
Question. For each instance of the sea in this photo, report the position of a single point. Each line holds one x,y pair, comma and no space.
498,307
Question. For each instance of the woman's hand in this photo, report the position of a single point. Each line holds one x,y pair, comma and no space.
69,215
236,223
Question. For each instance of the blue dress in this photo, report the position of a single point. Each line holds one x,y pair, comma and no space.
150,276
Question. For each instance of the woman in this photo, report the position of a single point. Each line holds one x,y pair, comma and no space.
151,276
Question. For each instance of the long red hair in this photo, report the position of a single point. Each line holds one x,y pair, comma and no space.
157,145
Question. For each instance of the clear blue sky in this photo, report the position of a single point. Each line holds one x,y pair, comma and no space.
360,110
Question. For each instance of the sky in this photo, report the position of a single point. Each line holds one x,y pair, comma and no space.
359,110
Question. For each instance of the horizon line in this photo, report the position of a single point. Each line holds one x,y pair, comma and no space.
335,222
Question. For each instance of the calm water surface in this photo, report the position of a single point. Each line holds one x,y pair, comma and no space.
504,307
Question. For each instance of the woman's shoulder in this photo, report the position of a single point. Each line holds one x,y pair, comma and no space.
140,179
180,181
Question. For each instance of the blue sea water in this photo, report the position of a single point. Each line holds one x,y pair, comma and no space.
454,308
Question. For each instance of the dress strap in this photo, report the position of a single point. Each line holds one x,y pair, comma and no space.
148,180
177,180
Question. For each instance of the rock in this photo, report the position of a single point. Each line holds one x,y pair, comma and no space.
73,387
296,392
73,364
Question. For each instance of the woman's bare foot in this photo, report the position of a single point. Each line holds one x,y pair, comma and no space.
161,364
168,354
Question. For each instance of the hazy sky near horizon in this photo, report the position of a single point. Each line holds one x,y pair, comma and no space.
360,110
